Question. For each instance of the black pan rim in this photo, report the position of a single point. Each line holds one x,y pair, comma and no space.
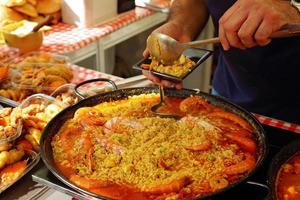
262,140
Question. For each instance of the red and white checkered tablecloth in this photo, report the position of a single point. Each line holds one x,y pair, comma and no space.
278,123
64,38
83,74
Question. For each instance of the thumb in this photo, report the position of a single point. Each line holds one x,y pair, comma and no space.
146,53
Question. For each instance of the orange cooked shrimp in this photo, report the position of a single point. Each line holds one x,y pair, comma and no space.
115,125
201,147
245,143
173,186
244,166
108,144
231,117
89,116
194,105
194,121
68,138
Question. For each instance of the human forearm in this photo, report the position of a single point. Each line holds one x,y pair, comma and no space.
190,15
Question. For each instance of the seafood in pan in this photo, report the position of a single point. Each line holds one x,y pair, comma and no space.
121,150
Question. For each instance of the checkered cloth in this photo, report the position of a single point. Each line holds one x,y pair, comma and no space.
82,74
278,123
64,38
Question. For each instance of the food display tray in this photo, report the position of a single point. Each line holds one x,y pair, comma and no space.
248,191
55,59
196,54
32,159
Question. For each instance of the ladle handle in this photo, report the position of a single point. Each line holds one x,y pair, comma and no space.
288,30
42,23
198,43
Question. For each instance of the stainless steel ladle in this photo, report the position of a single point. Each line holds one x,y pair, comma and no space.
166,49
161,103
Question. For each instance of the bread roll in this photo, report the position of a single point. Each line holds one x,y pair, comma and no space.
11,3
27,9
32,2
9,14
48,6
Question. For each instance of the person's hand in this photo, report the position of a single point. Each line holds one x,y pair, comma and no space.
175,31
249,23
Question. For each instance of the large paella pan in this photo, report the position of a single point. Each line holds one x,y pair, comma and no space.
111,146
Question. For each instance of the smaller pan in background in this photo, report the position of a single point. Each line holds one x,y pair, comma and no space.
196,54
286,153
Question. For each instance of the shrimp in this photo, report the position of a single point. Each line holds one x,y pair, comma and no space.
86,149
244,142
89,116
173,186
108,144
195,121
242,167
201,147
231,117
194,105
68,137
115,124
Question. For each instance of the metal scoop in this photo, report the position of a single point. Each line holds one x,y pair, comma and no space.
166,49
161,103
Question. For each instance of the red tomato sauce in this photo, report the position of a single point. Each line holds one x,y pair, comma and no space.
288,180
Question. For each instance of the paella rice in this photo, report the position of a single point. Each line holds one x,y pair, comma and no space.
179,68
131,147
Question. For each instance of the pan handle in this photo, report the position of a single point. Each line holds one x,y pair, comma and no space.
262,187
115,87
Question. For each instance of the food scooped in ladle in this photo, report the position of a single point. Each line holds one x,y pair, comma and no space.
166,49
